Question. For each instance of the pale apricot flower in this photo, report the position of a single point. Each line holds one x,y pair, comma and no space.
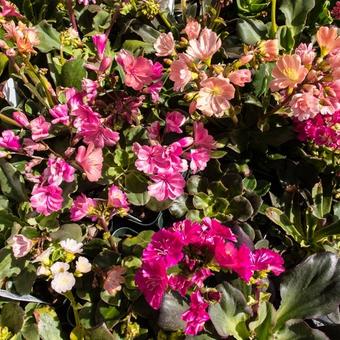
269,49
328,39
192,29
288,72
214,95
164,45
180,73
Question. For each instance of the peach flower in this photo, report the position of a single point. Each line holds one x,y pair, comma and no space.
288,72
180,73
91,160
269,49
304,105
164,45
192,29
240,77
205,46
328,39
214,95
306,53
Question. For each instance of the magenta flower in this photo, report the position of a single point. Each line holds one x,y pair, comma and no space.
191,232
58,170
200,276
173,122
166,246
152,281
166,185
20,118
202,137
9,140
336,11
154,89
39,128
86,2
9,10
199,159
90,87
180,284
196,316
99,41
60,114
81,207
91,160
267,260
46,199
117,198
218,230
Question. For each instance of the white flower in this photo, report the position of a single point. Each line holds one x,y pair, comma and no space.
42,270
59,267
63,282
44,256
83,265
72,246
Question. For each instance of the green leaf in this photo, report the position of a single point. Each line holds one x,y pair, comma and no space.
11,182
262,78
322,201
311,289
329,230
8,264
178,207
229,315
286,37
249,183
66,231
24,281
136,46
251,31
155,205
48,323
3,62
263,325
12,316
201,201
72,73
138,199
101,333
136,182
298,330
196,184
233,183
101,21
240,208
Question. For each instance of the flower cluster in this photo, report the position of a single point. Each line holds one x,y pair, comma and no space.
336,11
307,84
322,130
182,257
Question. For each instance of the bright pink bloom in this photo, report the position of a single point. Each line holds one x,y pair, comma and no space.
328,39
166,185
200,276
9,140
192,29
214,95
288,72
8,9
164,45
180,74
86,2
91,160
154,89
173,154
240,77
268,260
60,114
218,230
58,170
152,281
99,41
20,118
39,128
202,137
117,198
306,53
98,135
336,11
149,158
304,105
196,316
30,146
199,159
85,115
90,88
21,245
82,207
269,49
154,130
205,46
165,246
173,122
46,199
180,284
139,72
191,232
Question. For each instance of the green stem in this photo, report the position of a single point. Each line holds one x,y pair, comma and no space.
165,20
8,120
74,306
274,25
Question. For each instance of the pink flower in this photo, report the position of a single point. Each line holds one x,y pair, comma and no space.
202,137
214,95
9,10
180,73
91,160
173,122
306,53
152,281
39,128
336,11
149,157
58,170
205,46
166,246
9,140
99,41
154,90
196,316
192,29
240,77
117,198
191,232
305,105
164,45
154,130
139,72
200,276
269,49
166,185
218,230
90,88
86,2
288,72
328,39
267,260
60,114
198,159
20,118
46,199
180,284
98,135
82,207
21,245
